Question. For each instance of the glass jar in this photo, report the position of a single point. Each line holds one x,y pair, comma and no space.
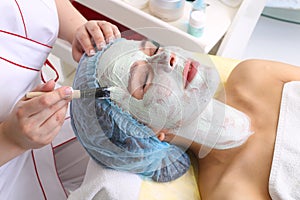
167,10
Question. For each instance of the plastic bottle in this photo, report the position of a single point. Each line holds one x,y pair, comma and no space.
197,18
199,5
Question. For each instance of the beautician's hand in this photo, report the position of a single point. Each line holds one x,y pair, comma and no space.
35,122
93,33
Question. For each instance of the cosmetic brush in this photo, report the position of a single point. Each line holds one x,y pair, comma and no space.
99,93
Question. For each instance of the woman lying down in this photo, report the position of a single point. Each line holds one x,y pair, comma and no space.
246,144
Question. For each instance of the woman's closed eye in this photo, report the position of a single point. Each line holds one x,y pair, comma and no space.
145,81
150,48
141,76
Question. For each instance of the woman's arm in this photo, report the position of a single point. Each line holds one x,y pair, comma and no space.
69,20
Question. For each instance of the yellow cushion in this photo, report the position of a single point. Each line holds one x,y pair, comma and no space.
185,187
224,66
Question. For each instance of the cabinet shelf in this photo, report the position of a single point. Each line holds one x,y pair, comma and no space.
219,18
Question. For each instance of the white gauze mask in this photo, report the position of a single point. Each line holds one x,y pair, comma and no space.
166,104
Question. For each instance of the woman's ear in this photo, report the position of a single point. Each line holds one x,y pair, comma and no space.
161,134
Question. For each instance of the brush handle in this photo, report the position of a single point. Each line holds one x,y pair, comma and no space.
99,93
30,95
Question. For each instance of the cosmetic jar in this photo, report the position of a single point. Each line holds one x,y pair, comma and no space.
140,4
167,10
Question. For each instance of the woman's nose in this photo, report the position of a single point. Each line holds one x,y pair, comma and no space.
164,61
170,62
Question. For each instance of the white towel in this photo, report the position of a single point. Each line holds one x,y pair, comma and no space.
107,184
284,182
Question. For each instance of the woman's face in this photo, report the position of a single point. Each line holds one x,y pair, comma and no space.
162,67
161,86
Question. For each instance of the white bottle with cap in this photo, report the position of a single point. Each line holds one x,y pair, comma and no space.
197,18
196,23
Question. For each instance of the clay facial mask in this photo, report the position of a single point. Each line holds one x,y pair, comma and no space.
178,94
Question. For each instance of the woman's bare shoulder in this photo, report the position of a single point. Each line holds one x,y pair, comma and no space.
255,70
255,87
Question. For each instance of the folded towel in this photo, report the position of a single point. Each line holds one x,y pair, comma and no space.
106,184
284,182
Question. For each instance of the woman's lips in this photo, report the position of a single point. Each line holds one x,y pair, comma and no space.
189,72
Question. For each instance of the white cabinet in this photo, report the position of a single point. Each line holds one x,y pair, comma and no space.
234,24
243,23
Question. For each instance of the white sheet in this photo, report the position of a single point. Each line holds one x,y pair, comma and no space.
284,182
106,184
